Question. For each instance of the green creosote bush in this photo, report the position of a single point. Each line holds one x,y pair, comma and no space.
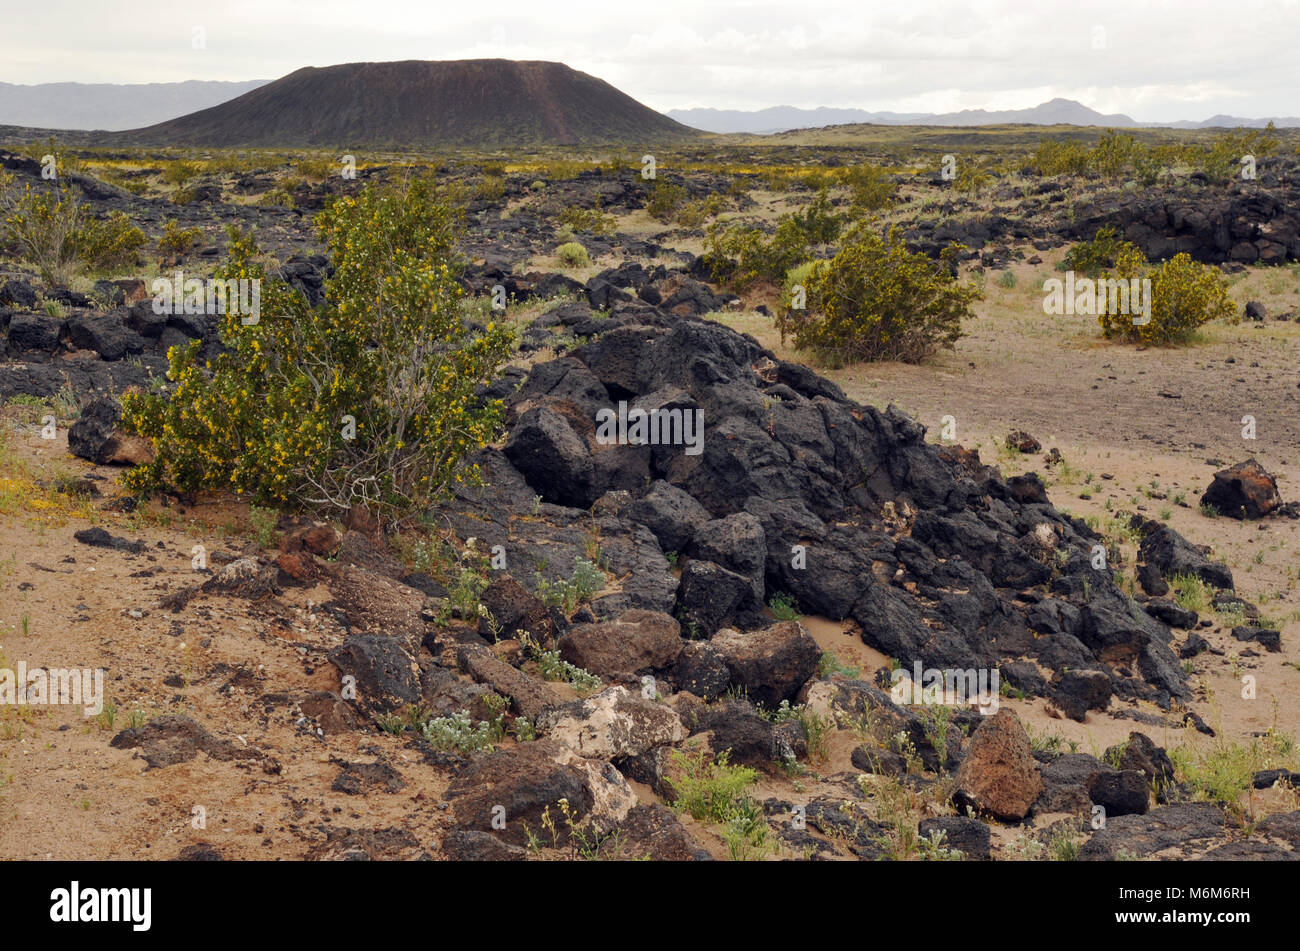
1059,158
739,256
1221,160
41,226
877,300
1098,255
1113,153
665,199
871,188
367,399
592,220
692,214
49,228
180,172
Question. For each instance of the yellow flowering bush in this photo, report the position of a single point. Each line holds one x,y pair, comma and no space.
877,300
1184,295
111,243
41,225
367,399
48,226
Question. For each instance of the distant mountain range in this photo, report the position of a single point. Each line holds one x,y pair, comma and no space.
482,103
108,106
1055,112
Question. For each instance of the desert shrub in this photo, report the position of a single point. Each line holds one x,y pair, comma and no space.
109,243
972,178
367,399
1059,158
121,178
490,187
665,199
1113,153
740,255
817,222
877,300
1221,160
871,188
573,254
1184,295
317,168
176,240
738,189
1099,254
694,213
180,172
587,219
40,225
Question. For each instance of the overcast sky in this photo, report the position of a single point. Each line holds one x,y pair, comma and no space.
1155,61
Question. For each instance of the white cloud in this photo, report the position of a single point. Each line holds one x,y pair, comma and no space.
1160,60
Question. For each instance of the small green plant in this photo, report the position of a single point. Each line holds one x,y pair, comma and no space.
573,254
392,723
784,607
458,732
107,716
829,664
746,834
553,667
937,721
1007,279
586,581
587,219
1191,593
1064,845
932,849
263,521
709,789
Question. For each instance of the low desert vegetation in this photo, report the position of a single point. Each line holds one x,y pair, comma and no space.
50,228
